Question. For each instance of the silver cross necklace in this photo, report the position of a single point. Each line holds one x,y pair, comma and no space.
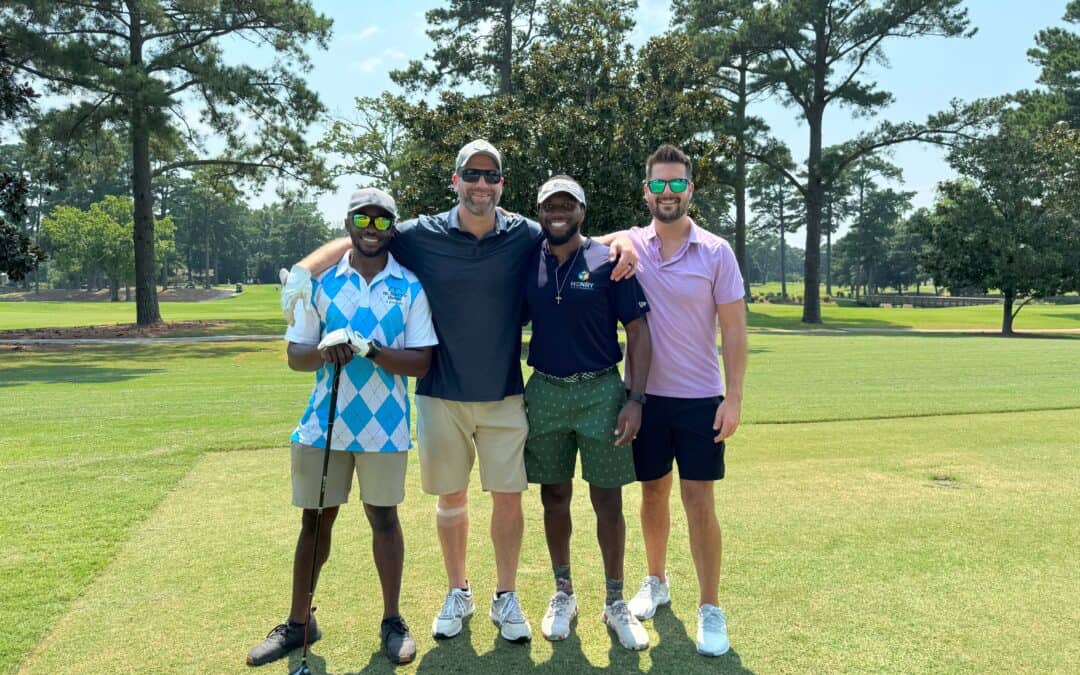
558,286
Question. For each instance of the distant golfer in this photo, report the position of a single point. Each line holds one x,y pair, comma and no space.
576,402
369,306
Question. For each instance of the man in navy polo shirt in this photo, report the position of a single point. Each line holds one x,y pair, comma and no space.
575,398
471,261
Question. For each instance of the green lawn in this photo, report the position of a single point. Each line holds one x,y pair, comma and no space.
256,312
894,503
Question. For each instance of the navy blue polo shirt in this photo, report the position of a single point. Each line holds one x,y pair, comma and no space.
578,334
475,288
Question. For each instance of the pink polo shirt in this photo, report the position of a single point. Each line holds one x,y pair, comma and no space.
683,293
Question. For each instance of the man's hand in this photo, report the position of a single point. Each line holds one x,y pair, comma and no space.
727,419
628,423
338,346
623,255
295,288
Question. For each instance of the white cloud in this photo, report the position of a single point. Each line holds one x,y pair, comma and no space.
362,35
367,65
394,54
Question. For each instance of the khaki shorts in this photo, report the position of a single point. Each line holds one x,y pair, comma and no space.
452,434
381,476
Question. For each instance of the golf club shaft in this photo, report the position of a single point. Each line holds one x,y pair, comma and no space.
322,496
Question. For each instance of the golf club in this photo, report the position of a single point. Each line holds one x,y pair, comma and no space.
303,668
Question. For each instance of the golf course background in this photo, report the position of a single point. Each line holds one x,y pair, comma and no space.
896,501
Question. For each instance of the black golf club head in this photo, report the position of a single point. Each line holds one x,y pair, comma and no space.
302,670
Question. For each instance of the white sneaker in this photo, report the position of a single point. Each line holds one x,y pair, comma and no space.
712,639
560,612
507,615
458,605
627,628
653,593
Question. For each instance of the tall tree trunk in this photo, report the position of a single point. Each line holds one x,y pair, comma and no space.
146,302
811,300
507,46
783,225
828,246
740,181
1007,313
114,290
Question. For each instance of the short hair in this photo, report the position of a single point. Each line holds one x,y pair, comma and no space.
668,154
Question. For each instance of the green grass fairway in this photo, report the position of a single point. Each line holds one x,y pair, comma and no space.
894,503
256,312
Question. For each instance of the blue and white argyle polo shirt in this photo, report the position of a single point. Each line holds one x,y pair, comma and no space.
373,404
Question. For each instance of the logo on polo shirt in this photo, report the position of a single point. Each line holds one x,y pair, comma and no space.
583,275
394,296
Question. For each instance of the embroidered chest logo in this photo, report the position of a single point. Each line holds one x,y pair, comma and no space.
394,296
582,282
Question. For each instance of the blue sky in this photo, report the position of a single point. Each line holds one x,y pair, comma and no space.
922,74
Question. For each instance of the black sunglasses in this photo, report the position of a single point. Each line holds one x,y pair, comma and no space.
490,176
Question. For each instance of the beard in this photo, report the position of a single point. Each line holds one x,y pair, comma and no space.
560,239
480,209
669,216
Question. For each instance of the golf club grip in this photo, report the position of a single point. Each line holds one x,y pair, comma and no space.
329,432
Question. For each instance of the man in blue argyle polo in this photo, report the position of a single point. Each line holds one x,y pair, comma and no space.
575,399
369,315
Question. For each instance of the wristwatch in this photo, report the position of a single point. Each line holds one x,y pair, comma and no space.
640,398
374,347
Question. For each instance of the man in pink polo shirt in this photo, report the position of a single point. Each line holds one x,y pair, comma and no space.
691,280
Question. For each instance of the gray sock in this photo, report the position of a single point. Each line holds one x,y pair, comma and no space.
562,579
613,589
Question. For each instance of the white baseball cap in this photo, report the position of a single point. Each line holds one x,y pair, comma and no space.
561,184
477,147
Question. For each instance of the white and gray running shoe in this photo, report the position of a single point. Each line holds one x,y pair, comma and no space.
560,612
653,593
458,605
712,637
626,626
507,615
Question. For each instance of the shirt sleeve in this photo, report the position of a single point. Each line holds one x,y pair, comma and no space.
727,280
403,243
630,302
419,331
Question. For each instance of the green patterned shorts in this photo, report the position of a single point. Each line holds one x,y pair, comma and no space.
565,417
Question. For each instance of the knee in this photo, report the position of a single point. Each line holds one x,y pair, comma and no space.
309,518
506,502
383,519
607,502
697,498
454,500
655,491
556,498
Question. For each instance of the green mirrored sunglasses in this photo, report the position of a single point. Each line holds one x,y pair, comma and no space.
657,185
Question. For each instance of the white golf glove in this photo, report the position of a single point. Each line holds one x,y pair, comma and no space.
295,288
347,336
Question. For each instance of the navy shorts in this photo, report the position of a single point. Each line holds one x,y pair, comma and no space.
679,430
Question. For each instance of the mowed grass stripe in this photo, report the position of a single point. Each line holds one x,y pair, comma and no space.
843,553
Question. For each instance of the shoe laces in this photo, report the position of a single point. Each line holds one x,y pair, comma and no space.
397,625
713,618
509,609
649,586
560,604
454,605
281,629
619,613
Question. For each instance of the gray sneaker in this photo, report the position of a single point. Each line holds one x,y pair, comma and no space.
507,615
397,642
284,638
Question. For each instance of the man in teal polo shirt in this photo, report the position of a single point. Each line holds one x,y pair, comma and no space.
576,401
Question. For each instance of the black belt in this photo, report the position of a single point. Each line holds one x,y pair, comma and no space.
577,377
